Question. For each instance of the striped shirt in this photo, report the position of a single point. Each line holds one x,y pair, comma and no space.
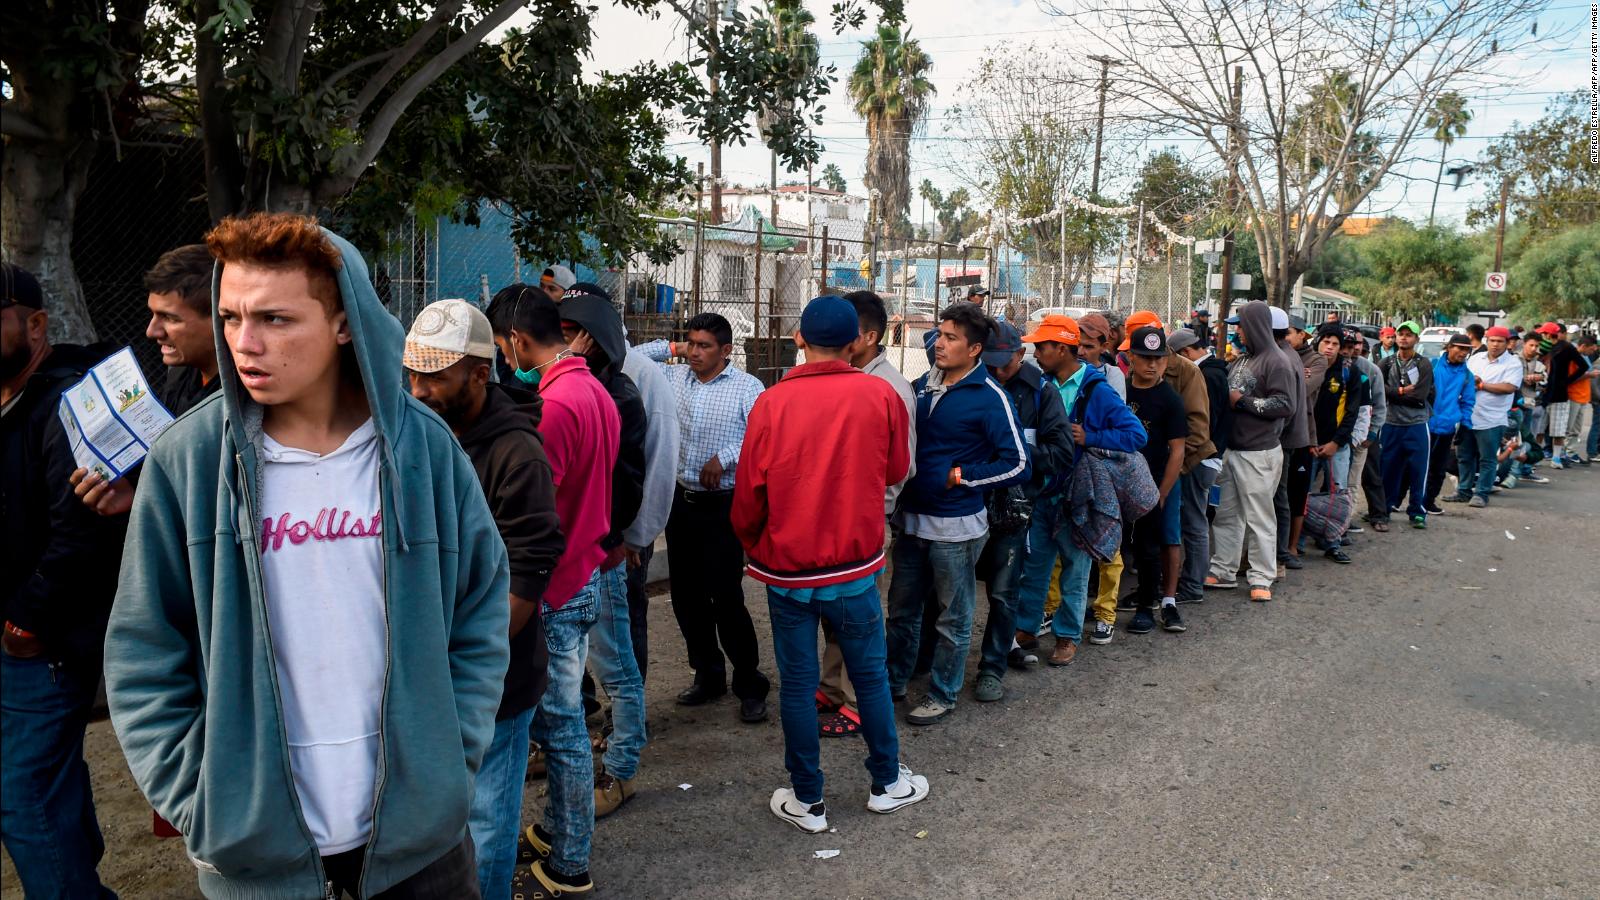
711,416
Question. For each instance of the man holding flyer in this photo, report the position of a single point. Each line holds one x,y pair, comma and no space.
59,577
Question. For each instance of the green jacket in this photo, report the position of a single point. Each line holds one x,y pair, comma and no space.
189,668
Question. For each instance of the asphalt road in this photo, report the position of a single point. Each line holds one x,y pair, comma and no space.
1423,723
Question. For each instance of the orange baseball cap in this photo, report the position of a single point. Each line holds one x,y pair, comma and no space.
1141,319
1058,328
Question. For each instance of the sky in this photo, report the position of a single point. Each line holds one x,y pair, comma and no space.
957,36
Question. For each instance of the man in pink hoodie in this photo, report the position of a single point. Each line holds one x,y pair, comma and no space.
581,431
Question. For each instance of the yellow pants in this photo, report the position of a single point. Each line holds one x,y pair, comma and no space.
1105,598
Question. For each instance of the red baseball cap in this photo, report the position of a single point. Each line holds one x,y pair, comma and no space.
1499,331
1548,328
1385,331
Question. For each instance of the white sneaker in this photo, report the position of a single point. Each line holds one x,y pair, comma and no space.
906,790
812,820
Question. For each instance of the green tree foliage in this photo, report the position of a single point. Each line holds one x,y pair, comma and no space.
1342,262
1547,162
1176,192
953,213
833,179
1560,275
891,91
1415,271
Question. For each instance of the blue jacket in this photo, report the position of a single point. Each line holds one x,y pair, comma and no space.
190,671
1454,392
1107,421
974,426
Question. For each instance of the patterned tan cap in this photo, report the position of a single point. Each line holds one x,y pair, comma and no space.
444,333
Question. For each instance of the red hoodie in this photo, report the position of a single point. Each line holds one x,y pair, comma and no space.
581,431
820,448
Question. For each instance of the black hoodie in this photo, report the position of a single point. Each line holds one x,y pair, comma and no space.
508,455
596,316
61,557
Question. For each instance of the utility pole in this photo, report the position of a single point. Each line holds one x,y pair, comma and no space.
1106,62
774,216
1230,198
1500,232
713,23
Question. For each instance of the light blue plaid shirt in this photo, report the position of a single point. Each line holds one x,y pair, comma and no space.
711,416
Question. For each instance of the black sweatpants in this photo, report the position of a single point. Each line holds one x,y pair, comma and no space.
707,563
1441,462
454,874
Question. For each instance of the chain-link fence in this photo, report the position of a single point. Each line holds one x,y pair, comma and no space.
143,197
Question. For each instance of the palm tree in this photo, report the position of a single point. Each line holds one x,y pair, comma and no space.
1448,119
891,90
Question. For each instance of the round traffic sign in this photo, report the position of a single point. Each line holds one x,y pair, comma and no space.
1494,281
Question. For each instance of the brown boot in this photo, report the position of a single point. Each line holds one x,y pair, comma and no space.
1066,651
610,793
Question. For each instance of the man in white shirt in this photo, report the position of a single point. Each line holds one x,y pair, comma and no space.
1497,376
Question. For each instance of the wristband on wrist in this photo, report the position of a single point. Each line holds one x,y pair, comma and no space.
14,631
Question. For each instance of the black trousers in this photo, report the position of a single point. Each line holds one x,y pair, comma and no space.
1441,462
1372,482
707,565
639,610
454,874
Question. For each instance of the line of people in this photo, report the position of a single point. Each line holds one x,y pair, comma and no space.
356,610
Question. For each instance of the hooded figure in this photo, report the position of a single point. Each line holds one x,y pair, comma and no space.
1268,382
599,318
190,673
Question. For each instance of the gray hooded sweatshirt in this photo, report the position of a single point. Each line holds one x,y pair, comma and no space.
1269,382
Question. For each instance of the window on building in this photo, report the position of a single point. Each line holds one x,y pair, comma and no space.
733,276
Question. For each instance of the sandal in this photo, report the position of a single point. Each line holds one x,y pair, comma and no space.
824,705
843,723
1380,526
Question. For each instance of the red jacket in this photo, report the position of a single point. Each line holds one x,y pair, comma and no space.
820,448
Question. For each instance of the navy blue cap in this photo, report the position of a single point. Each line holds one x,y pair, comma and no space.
829,322
1232,320
1003,343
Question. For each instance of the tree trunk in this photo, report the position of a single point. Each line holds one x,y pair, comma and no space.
42,180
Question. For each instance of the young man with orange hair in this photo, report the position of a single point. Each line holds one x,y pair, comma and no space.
305,658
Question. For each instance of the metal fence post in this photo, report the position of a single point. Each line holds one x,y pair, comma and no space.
822,276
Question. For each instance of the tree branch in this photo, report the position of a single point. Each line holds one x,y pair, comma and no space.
408,52
393,108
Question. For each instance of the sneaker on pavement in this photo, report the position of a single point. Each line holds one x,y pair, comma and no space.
1019,658
1458,498
1127,604
1419,521
1534,478
1143,622
1337,554
1293,562
987,689
929,712
1433,509
909,788
1477,502
1558,463
811,819
1355,529
1102,632
1197,598
1213,583
554,884
610,793
1171,621
1511,482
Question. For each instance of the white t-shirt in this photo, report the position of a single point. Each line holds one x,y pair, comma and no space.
322,560
1489,410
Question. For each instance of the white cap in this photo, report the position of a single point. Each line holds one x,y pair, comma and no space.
444,333
1280,318
561,275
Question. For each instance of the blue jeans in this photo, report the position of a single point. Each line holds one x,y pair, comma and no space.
496,815
1405,465
1007,554
857,623
1475,461
558,727
46,809
1594,433
615,667
946,569
1045,543
1195,492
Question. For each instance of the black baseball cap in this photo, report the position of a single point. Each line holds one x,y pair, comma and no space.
1458,340
21,288
1148,341
977,290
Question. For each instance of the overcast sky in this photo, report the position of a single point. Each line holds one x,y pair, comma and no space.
957,36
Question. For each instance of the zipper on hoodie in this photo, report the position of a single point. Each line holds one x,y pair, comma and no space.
252,561
385,478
